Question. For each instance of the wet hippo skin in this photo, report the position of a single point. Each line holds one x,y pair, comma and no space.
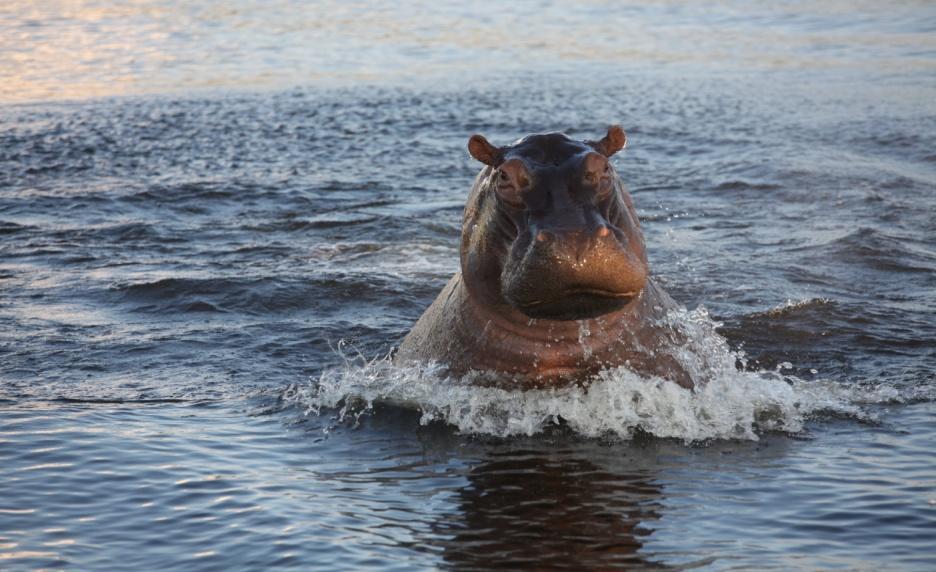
554,283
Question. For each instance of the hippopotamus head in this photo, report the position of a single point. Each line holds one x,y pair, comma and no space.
550,230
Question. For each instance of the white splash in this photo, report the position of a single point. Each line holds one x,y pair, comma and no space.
615,404
584,333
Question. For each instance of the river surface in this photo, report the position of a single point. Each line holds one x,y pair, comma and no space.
216,222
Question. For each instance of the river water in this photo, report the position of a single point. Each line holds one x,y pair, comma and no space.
216,221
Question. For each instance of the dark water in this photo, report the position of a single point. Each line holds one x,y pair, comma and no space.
177,273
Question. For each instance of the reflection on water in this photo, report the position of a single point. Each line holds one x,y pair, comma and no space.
68,49
531,509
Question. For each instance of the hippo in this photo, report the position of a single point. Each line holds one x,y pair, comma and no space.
554,283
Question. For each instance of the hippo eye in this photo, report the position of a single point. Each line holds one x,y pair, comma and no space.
512,182
511,187
605,184
607,175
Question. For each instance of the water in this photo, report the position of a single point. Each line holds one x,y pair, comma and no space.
199,280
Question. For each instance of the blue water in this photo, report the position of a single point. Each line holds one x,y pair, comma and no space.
215,222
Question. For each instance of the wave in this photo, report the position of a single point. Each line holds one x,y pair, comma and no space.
616,404
740,185
881,251
792,307
8,227
323,221
256,295
119,232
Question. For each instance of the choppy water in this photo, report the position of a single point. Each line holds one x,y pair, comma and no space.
188,273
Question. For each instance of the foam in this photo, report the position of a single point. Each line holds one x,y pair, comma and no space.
616,404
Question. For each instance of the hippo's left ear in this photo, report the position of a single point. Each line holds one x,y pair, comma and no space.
482,150
614,141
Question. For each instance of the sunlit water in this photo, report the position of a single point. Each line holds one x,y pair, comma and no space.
199,282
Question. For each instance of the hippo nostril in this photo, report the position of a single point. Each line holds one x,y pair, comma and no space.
602,231
543,236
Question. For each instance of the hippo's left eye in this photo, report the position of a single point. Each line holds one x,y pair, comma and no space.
512,183
597,171
599,179
605,183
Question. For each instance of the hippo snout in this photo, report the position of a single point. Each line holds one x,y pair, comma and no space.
573,274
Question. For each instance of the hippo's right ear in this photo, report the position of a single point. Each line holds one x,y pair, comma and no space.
482,150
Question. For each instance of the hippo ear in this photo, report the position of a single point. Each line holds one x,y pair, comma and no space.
482,150
614,141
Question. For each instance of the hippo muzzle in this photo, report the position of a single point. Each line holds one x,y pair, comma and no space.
572,274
